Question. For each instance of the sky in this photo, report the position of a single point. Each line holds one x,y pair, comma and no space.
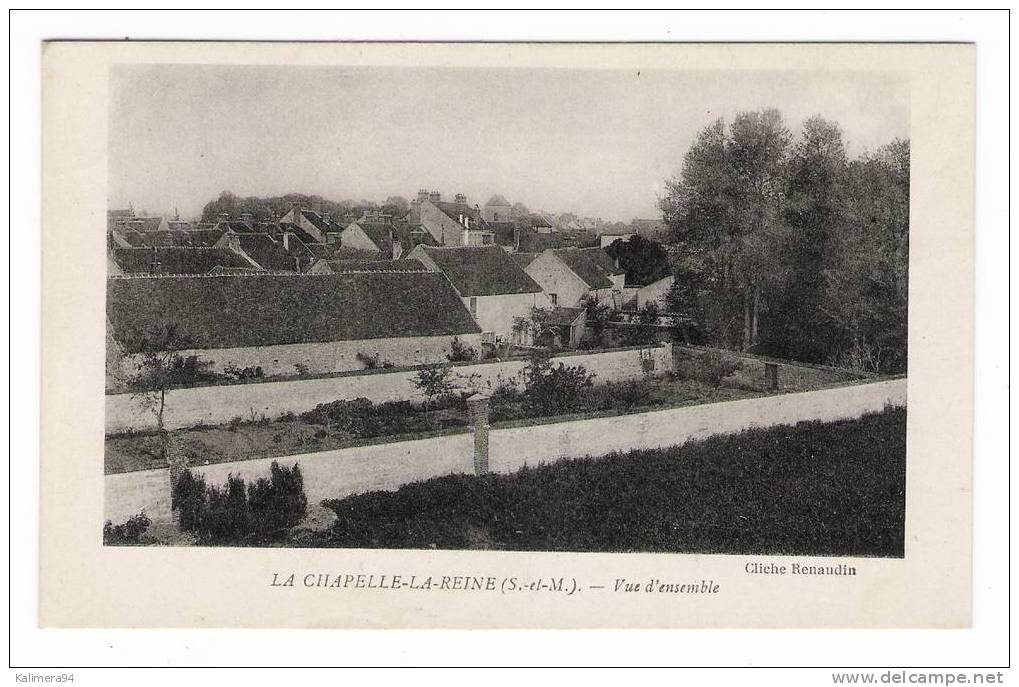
597,143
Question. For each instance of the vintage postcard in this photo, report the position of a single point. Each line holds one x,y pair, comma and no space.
507,335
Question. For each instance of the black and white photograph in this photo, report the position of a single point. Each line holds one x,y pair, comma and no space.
512,309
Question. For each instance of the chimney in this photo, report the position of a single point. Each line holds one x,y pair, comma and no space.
422,195
249,219
325,216
286,241
232,242
435,196
297,214
460,198
516,239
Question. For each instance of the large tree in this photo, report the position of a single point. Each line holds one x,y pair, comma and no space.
726,209
815,214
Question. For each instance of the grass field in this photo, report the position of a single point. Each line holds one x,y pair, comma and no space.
812,489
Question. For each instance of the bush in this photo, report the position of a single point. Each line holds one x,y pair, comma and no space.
460,351
240,514
278,503
554,390
251,372
372,361
127,534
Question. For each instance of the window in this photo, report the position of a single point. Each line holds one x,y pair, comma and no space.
474,306
554,298
486,240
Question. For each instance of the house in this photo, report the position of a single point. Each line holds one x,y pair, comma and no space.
318,225
637,297
610,236
568,326
539,224
650,228
147,239
175,260
495,289
264,320
568,275
497,210
342,266
143,224
283,254
450,224
372,233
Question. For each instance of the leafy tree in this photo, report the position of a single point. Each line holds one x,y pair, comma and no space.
644,261
397,206
597,316
519,211
163,366
726,209
435,382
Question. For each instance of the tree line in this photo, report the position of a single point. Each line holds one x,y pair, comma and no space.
785,246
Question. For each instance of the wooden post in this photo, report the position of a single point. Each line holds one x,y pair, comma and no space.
771,376
478,406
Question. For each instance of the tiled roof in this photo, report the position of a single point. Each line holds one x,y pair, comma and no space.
271,254
602,259
584,267
265,310
481,270
454,210
342,266
524,259
195,237
379,233
142,223
304,236
538,221
175,260
565,316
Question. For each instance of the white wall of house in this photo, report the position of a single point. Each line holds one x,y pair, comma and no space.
497,213
556,278
443,229
609,239
329,356
496,313
303,223
354,237
655,292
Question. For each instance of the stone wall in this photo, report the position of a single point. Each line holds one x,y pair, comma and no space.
342,472
213,405
325,357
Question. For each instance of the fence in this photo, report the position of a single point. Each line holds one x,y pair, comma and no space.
214,405
342,472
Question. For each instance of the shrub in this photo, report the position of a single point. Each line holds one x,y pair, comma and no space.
435,382
251,372
372,361
460,351
554,390
278,503
128,533
302,369
240,514
189,499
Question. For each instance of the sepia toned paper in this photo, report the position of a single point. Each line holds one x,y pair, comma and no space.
84,584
